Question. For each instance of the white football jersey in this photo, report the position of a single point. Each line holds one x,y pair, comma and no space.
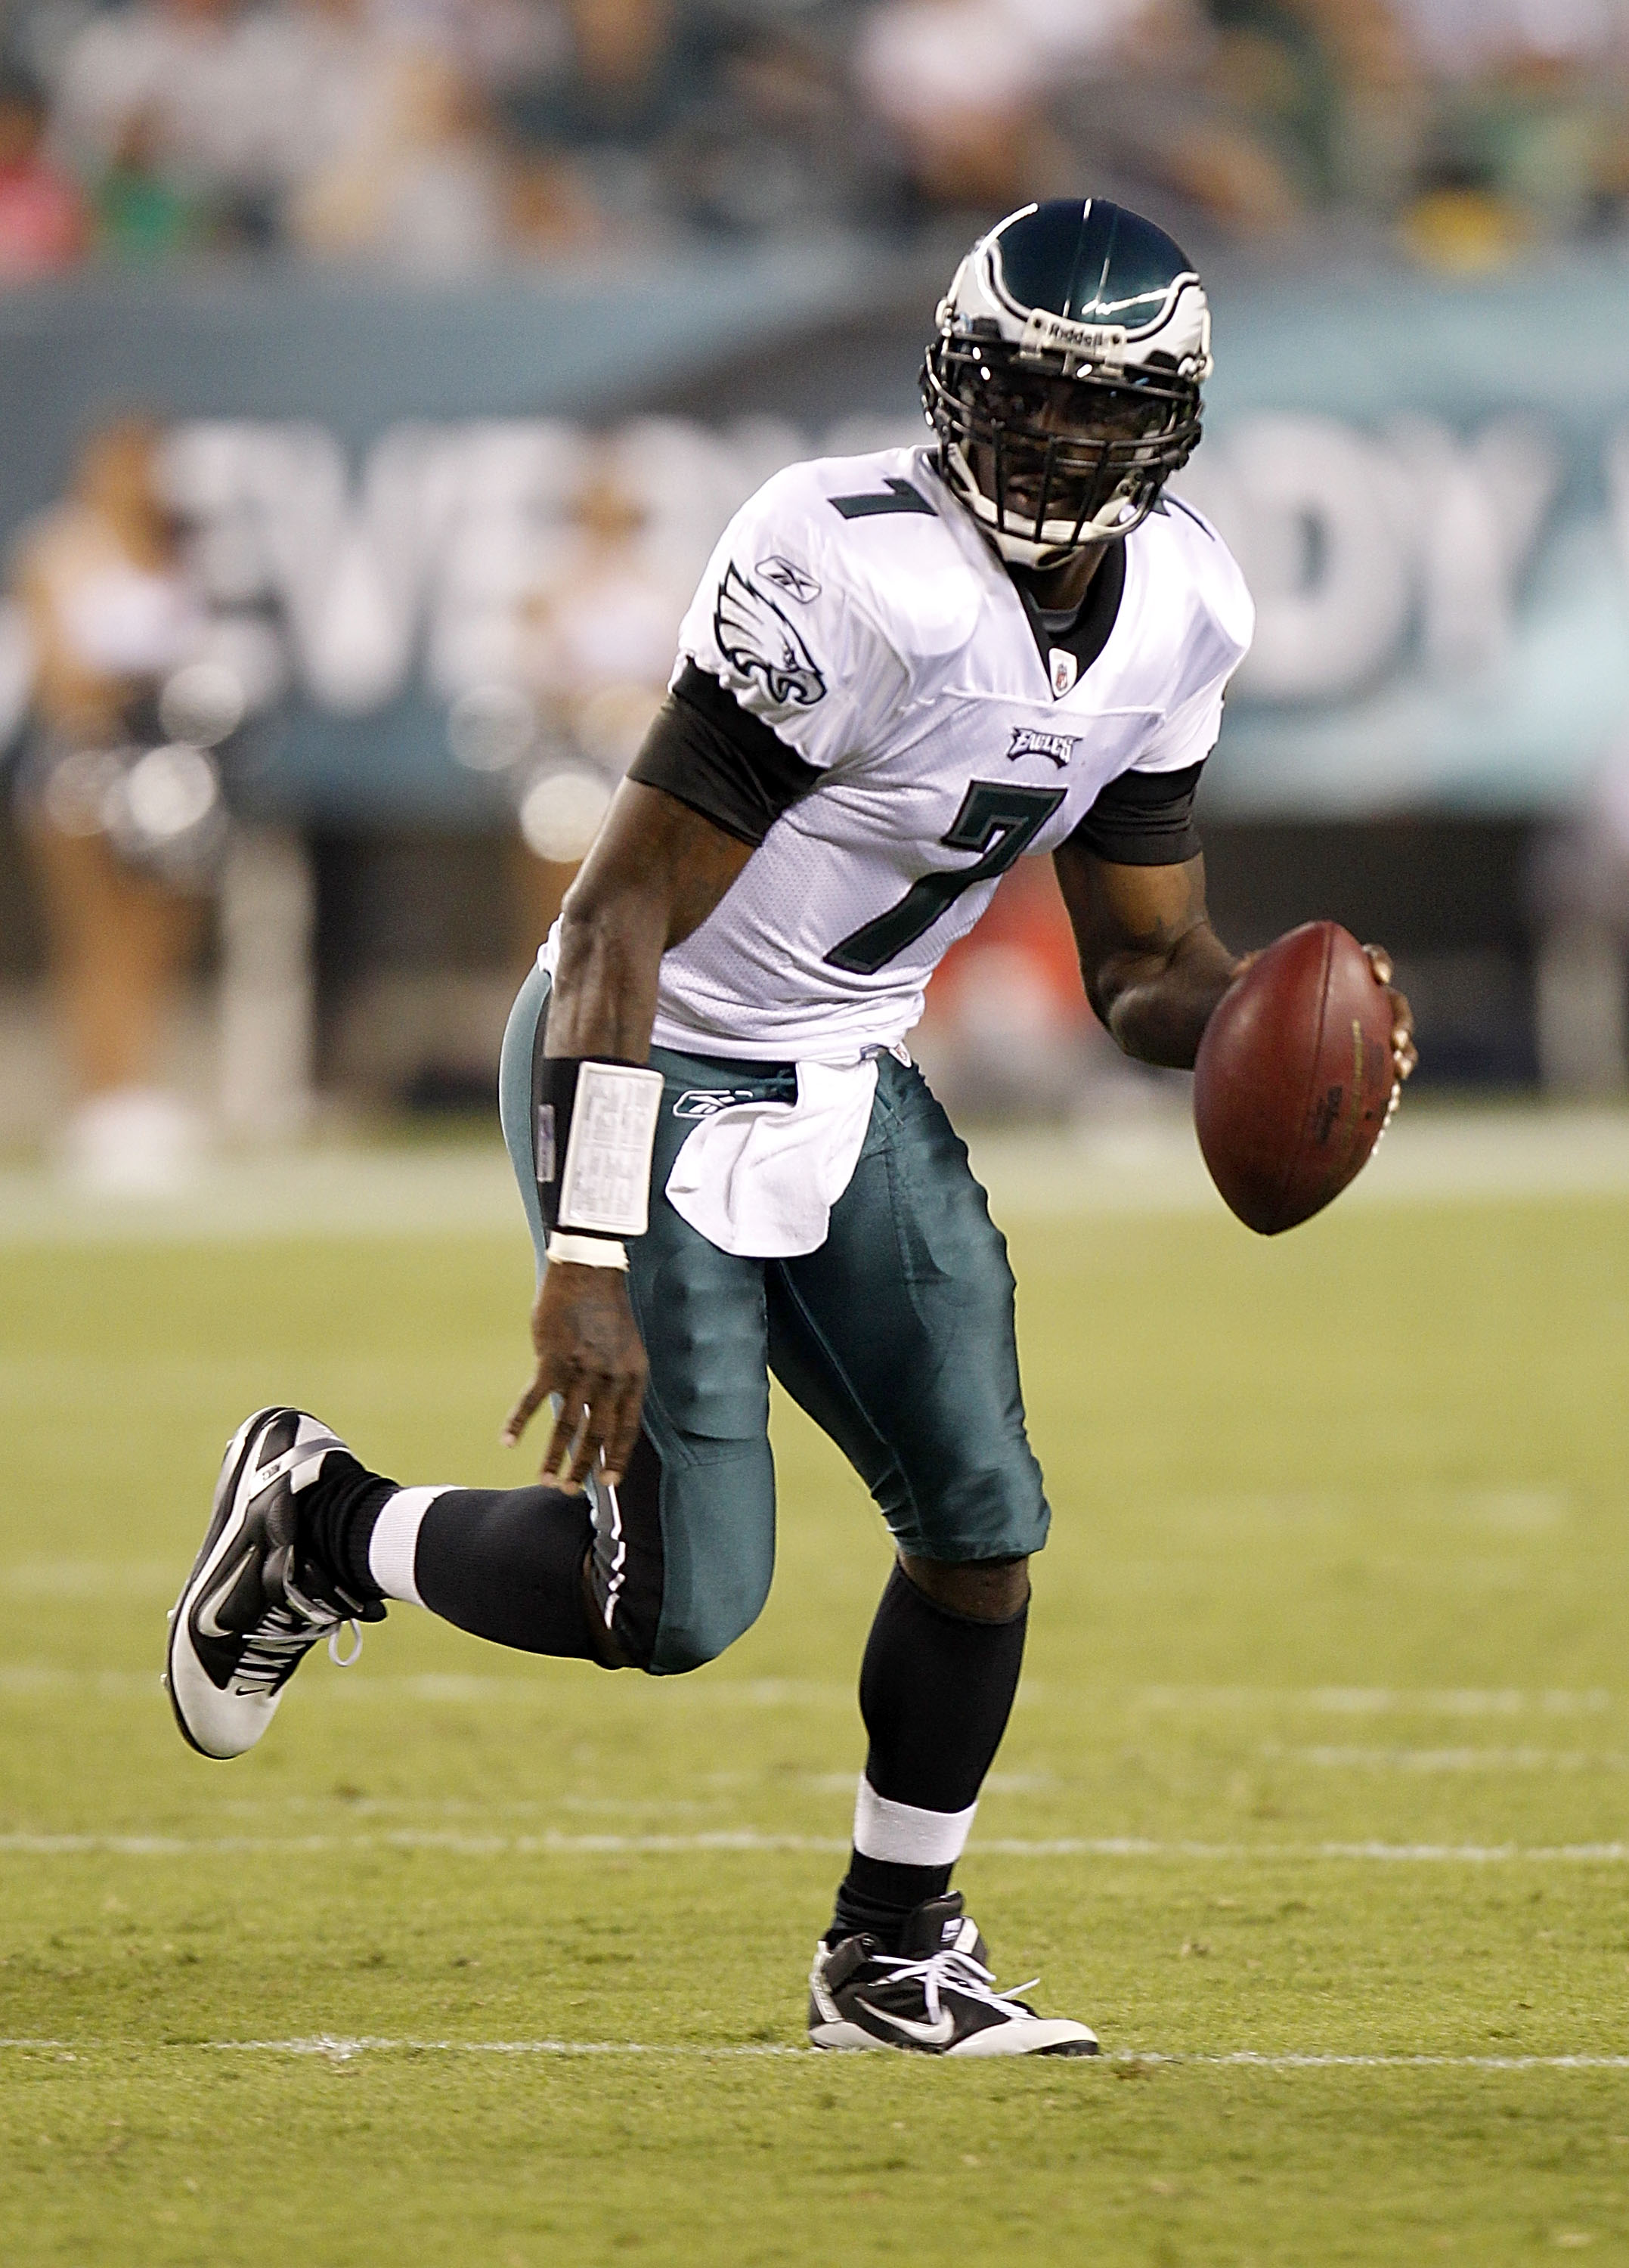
852,605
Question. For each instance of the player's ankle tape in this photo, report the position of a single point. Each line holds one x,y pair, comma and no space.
595,1128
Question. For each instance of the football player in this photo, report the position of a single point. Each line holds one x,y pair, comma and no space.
901,673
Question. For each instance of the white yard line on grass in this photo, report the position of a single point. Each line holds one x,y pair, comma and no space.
1377,1700
1445,1760
21,1680
338,2048
458,1844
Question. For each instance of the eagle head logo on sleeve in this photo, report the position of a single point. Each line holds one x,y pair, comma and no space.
756,638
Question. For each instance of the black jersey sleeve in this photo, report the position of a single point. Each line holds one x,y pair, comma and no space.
1144,819
709,752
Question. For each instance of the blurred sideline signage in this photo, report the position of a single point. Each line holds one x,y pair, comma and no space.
1427,485
1428,488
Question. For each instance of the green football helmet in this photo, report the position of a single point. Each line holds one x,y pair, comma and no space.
1064,381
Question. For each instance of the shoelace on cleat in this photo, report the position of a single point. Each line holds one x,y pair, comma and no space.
343,1660
273,1648
285,1633
958,1971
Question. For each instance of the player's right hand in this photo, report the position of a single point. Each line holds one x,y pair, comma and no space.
590,1353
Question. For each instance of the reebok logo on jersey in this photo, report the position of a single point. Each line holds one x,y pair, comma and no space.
761,642
787,576
1059,746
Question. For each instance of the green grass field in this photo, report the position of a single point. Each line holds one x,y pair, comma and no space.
1314,1801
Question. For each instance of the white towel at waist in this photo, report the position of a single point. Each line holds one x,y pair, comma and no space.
759,1179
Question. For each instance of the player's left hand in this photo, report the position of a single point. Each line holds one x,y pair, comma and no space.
590,1355
1404,1055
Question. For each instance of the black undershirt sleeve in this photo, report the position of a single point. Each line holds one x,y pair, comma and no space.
1144,819
707,751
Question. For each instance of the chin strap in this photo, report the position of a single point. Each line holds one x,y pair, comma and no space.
1028,550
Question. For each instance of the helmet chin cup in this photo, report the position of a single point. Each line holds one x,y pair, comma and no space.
1020,542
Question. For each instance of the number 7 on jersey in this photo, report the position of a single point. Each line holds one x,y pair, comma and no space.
998,821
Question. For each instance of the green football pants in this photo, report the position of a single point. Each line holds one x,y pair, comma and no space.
897,1337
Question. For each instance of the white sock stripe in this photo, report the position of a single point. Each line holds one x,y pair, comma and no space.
906,1834
392,1547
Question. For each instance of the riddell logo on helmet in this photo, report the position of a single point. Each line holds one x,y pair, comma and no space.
1099,342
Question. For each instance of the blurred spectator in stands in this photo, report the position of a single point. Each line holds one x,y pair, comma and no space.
597,649
43,226
998,100
142,213
323,71
436,134
110,615
962,84
1528,138
174,92
418,182
1221,114
775,141
1465,38
628,75
592,662
1378,103
550,205
498,44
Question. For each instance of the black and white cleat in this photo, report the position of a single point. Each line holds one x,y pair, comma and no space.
252,1608
936,1997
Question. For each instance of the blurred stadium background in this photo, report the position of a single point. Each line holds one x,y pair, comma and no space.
377,374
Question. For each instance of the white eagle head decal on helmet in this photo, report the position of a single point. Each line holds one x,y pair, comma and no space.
1064,381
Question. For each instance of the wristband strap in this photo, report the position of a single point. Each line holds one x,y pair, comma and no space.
587,1251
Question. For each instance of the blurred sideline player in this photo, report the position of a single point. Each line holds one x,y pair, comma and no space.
901,672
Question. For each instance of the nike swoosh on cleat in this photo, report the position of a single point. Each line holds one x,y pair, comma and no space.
936,2035
204,1621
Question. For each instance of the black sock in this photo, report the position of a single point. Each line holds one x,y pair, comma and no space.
936,1690
507,1563
877,1895
336,1519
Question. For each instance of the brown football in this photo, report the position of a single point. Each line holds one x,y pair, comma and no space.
1293,1076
